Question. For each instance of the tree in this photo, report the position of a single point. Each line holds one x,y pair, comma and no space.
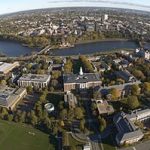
42,98
132,102
63,114
146,87
102,123
56,74
3,82
10,117
96,95
135,89
34,119
29,89
68,66
4,113
54,83
115,93
82,125
79,113
86,64
29,66
138,74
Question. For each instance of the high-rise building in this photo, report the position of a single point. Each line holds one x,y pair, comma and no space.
105,17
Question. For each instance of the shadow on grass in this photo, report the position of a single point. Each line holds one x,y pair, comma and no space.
53,141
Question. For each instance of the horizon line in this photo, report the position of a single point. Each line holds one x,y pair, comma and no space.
26,10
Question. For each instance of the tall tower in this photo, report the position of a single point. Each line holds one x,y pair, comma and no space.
105,17
81,71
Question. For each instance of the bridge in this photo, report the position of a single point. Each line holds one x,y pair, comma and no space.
32,56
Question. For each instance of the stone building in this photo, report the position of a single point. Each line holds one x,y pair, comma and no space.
81,81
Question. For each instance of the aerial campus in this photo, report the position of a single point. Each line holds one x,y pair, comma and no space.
75,79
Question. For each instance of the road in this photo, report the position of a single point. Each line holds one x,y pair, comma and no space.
95,139
140,146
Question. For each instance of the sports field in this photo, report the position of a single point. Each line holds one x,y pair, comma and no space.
19,137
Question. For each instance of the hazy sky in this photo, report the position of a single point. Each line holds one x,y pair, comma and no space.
7,6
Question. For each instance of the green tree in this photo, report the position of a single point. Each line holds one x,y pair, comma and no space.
102,123
34,119
68,66
135,89
79,113
29,89
3,82
96,95
63,114
132,102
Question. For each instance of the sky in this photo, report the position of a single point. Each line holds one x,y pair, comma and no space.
8,6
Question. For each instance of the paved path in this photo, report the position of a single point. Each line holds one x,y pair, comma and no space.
96,142
140,146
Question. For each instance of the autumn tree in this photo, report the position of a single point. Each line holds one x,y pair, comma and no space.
115,93
133,102
135,89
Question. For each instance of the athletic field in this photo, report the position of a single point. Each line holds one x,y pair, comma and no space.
20,137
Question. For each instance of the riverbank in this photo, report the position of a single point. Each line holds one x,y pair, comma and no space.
98,53
104,40
54,47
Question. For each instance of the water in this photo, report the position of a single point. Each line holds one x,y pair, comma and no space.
15,49
95,47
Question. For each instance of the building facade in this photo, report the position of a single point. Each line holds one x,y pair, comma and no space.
9,97
128,132
34,80
81,81
5,68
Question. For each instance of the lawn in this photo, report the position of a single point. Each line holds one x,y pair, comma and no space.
20,137
108,143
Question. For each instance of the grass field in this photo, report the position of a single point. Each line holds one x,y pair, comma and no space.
19,137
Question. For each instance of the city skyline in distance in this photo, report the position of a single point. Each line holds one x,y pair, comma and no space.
8,6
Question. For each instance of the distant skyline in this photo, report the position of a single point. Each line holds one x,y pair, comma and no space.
9,6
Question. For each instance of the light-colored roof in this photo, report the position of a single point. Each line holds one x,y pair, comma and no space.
86,77
34,77
4,67
104,107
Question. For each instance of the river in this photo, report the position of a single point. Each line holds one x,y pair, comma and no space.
14,49
95,47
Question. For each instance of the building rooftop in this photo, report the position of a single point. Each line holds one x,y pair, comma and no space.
6,67
104,107
126,128
8,95
35,77
86,77
126,75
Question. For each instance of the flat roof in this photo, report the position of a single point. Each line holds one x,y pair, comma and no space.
9,95
34,77
86,77
6,66
104,107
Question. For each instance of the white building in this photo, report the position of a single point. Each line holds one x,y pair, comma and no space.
7,67
9,97
34,80
105,17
